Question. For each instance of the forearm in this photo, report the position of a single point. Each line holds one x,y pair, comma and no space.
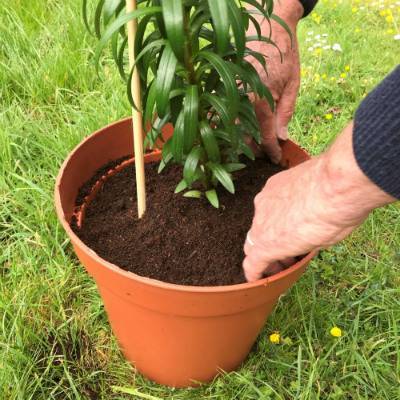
348,194
291,11
362,168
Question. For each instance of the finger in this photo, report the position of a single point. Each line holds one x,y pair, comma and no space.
267,120
250,273
255,262
285,108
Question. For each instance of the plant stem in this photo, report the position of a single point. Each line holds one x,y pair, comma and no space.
189,50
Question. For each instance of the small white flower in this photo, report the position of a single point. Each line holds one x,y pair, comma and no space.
397,37
337,47
310,49
308,40
323,41
317,36
310,33
325,35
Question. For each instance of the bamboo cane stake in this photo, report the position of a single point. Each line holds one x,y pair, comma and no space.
138,134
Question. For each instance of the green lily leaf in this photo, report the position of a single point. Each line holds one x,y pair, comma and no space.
195,194
220,21
172,11
164,80
212,197
222,176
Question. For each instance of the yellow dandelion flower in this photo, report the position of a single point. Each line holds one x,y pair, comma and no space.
324,76
389,19
336,332
347,68
329,116
382,13
343,75
275,338
303,72
354,9
318,51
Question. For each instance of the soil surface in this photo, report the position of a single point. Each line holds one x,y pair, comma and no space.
179,240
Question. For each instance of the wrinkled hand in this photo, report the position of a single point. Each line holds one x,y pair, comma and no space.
283,77
313,205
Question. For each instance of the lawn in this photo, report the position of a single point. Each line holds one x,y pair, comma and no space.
55,341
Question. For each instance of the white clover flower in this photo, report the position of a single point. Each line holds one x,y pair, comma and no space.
310,49
397,37
337,47
317,36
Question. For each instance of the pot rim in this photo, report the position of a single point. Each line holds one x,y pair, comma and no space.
150,281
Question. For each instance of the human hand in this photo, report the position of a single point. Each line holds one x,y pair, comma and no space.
283,78
313,205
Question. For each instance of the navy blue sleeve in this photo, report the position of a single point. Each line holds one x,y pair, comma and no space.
308,6
376,135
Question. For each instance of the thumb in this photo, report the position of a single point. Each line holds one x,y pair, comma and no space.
285,109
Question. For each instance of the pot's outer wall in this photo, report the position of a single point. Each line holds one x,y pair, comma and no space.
174,334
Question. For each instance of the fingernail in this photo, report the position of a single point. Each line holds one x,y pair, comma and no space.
283,133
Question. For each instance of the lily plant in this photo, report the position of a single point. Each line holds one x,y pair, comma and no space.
196,72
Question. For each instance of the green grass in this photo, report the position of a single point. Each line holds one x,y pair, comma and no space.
55,342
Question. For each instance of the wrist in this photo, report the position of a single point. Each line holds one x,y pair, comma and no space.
348,195
291,11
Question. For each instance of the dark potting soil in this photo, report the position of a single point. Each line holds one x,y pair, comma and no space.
179,240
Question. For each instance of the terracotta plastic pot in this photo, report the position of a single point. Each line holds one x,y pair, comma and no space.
174,335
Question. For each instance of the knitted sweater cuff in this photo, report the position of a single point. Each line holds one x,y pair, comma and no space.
376,135
308,6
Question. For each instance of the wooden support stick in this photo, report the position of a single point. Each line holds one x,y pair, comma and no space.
138,134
